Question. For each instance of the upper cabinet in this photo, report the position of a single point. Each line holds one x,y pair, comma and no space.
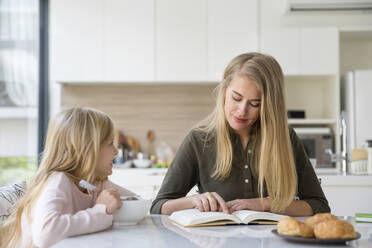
181,40
76,40
232,30
102,40
319,51
303,51
148,40
175,41
128,40
284,45
196,39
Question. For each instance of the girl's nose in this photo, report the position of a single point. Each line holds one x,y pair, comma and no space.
116,151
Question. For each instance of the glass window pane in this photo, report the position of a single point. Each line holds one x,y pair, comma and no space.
19,22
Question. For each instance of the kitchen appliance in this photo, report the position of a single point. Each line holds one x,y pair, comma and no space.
317,141
296,114
356,93
329,5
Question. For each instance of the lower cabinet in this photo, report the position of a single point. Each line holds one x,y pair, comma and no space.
348,195
143,182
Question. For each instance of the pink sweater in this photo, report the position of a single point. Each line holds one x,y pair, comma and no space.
63,210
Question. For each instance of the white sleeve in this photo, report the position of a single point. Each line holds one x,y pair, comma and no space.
51,223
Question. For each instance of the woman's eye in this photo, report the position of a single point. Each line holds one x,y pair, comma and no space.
255,105
236,99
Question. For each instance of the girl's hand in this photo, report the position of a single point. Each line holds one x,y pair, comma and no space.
256,204
110,198
209,201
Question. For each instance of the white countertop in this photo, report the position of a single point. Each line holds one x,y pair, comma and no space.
327,178
157,231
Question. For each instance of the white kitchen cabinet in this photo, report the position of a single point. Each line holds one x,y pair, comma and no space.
319,51
181,40
348,195
232,30
303,51
76,40
284,45
144,182
129,38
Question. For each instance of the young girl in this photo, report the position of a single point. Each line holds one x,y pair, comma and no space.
79,146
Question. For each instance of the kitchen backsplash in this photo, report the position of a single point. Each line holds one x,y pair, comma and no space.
168,109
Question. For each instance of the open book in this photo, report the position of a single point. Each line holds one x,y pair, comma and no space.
193,217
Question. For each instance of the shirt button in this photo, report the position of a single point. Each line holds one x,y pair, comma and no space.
249,151
246,181
246,166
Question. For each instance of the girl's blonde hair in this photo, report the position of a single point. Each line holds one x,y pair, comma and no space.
74,139
273,160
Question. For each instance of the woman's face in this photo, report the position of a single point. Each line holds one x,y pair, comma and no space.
242,104
105,158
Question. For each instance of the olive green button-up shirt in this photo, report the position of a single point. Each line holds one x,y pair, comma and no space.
194,163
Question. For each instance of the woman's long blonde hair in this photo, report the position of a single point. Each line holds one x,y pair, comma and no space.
75,137
273,160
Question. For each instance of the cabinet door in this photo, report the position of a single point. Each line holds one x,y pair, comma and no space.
284,45
232,30
76,40
129,40
319,51
181,40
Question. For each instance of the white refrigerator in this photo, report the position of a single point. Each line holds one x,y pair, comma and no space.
356,102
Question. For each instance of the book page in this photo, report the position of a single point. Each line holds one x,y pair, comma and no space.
191,217
247,216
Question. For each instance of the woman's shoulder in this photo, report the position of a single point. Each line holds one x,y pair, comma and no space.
295,141
292,134
200,135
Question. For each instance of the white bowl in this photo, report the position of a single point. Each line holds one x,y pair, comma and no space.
142,163
132,212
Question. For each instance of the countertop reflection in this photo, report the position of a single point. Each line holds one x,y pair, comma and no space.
159,231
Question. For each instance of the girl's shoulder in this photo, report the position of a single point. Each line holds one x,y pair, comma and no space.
60,179
58,175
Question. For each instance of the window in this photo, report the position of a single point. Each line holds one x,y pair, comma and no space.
19,39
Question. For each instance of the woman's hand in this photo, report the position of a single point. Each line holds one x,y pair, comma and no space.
209,201
256,204
111,198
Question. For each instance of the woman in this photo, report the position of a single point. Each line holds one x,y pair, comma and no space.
244,156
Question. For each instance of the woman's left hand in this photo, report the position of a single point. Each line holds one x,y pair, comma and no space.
256,204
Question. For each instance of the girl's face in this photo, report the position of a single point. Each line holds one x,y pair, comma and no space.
105,158
242,104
